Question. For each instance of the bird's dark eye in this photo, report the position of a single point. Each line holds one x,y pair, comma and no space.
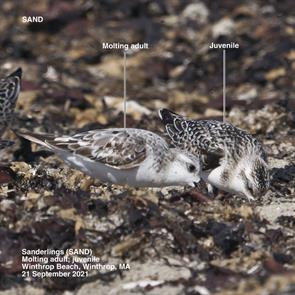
191,168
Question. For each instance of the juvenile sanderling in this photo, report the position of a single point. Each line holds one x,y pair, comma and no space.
232,159
129,156
9,91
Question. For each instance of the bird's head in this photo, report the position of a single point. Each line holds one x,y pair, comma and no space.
185,169
254,177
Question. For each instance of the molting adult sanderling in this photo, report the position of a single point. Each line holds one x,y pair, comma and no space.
232,159
9,91
129,156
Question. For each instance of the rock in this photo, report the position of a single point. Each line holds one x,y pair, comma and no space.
152,276
127,245
197,12
5,177
224,27
133,107
247,94
27,290
273,211
275,73
51,74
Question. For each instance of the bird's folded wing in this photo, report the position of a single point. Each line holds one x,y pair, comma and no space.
199,140
118,149
212,139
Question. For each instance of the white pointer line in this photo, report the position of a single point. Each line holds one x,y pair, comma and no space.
224,84
124,94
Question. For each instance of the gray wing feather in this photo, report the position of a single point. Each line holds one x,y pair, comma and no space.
118,148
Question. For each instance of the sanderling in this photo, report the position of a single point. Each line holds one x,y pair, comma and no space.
232,159
129,156
9,91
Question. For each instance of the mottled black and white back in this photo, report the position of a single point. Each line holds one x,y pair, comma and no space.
9,91
208,135
232,159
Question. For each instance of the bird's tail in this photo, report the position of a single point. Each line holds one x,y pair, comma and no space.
168,117
42,139
174,123
17,73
